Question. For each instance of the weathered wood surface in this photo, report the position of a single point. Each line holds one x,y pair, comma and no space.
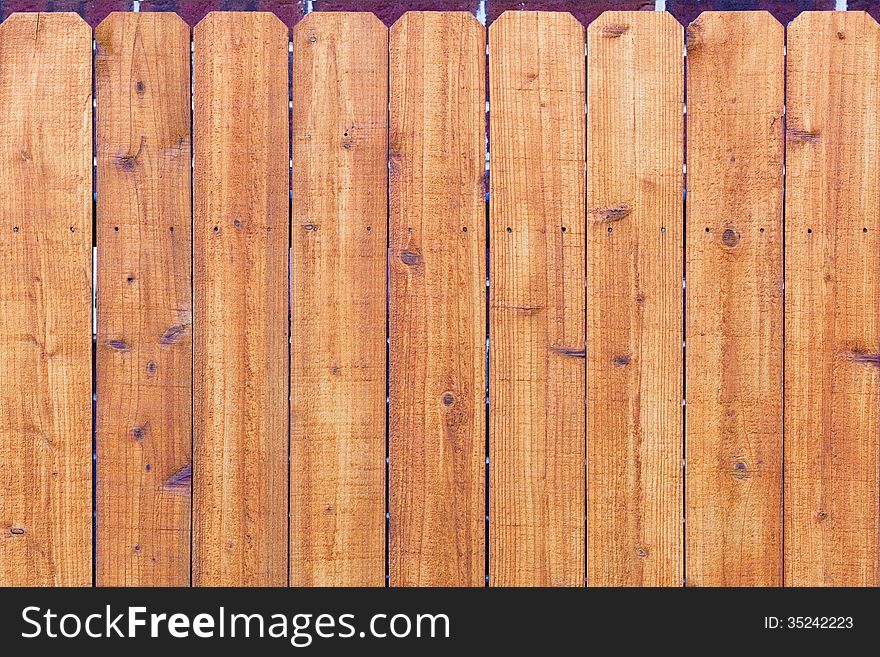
635,234
45,301
832,303
733,443
240,234
437,329
144,301
340,205
536,312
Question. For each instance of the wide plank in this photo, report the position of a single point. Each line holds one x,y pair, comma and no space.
437,330
45,301
733,387
340,205
635,232
144,301
832,301
241,233
536,313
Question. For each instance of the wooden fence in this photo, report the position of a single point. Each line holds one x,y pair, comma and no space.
314,227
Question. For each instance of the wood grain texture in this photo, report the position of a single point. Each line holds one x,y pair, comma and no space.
635,234
734,300
241,194
832,309
437,415
536,313
45,301
340,205
144,341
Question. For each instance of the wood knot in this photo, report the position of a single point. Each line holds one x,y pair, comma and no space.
151,368
642,553
740,470
797,134
448,398
411,258
140,88
16,531
822,516
138,433
730,238
173,334
615,30
180,481
118,345
621,361
611,213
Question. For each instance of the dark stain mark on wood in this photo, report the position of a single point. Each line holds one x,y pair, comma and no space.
180,481
615,30
571,352
621,361
173,334
794,133
866,358
118,345
335,369
730,238
611,213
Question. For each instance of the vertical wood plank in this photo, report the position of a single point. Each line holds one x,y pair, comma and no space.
536,358
832,345
240,232
437,415
144,341
45,301
734,300
635,230
340,205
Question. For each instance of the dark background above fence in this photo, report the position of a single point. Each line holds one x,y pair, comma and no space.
291,11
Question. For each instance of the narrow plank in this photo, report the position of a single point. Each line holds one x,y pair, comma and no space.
635,234
437,415
734,300
45,301
144,341
340,205
536,313
832,334
240,232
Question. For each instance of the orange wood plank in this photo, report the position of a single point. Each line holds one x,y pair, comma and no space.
437,416
45,301
832,309
340,205
635,228
734,300
536,359
144,343
241,232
